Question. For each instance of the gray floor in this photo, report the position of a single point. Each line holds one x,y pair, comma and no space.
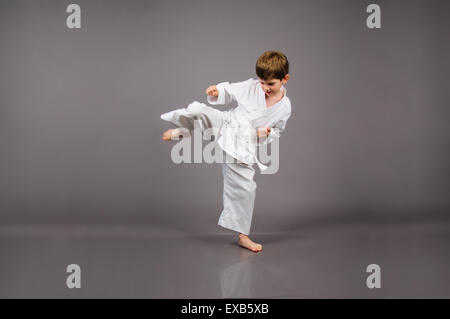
320,261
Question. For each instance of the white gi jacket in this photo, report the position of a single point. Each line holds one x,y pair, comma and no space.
251,113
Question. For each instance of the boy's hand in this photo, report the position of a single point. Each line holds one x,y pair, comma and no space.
212,91
263,131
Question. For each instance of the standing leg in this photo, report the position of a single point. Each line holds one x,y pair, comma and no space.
238,201
239,187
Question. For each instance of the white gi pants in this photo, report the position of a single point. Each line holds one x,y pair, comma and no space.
238,185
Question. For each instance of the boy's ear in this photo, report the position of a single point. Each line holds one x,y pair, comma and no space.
286,78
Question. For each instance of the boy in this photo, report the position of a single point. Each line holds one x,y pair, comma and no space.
263,109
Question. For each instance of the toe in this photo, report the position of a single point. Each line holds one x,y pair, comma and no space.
166,136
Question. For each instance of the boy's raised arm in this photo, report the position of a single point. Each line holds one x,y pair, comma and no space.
225,92
221,93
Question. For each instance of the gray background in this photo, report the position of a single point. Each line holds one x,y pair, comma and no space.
80,132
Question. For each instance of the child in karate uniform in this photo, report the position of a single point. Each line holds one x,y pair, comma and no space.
263,109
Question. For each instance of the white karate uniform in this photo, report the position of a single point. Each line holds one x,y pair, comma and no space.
252,112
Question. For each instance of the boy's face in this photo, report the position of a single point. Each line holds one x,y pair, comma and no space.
272,86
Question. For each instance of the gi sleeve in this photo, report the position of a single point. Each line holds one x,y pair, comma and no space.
275,131
228,92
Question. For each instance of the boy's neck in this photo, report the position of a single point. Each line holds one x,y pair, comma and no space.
279,95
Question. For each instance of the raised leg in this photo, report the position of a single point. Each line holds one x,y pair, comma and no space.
175,134
195,113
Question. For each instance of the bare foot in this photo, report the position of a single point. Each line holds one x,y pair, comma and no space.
173,134
246,242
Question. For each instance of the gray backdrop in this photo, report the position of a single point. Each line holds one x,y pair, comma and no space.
80,132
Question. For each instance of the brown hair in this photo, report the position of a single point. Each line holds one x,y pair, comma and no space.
272,65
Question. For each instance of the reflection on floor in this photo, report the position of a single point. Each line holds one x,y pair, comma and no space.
138,262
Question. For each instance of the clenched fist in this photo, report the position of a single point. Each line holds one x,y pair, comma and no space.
263,131
212,91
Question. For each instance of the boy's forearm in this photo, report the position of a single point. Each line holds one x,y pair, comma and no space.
221,95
